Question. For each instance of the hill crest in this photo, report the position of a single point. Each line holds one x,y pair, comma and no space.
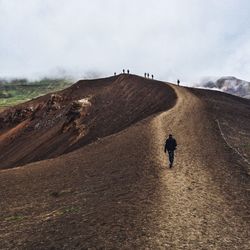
79,115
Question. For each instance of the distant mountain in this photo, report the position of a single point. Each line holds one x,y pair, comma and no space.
231,85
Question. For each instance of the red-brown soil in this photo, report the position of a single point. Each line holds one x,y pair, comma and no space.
59,123
117,192
2,109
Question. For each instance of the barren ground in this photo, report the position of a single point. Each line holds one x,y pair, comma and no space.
118,192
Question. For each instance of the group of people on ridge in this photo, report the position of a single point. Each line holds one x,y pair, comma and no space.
146,75
123,72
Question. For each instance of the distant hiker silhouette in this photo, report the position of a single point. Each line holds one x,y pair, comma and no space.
152,76
123,71
115,74
145,75
170,146
128,71
178,82
148,75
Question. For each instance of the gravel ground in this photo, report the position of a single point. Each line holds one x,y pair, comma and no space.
118,192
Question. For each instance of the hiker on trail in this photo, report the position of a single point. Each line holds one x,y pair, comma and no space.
178,82
152,76
145,75
170,146
128,71
115,74
123,71
148,75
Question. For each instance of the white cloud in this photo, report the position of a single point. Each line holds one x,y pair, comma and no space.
186,39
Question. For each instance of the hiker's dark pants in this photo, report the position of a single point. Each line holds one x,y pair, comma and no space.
171,156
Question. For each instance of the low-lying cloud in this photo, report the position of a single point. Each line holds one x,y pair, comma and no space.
186,39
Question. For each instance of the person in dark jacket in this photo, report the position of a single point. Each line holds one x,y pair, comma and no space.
170,146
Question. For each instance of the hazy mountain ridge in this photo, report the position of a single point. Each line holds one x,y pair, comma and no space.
230,85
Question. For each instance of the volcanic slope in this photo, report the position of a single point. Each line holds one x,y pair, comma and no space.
118,193
62,122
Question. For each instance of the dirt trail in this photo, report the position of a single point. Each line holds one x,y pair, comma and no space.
118,193
203,201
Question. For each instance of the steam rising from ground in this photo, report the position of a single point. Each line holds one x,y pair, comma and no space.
229,85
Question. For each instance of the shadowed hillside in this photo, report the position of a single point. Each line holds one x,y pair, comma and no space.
59,123
117,192
232,115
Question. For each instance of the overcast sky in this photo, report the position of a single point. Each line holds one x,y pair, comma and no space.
186,39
